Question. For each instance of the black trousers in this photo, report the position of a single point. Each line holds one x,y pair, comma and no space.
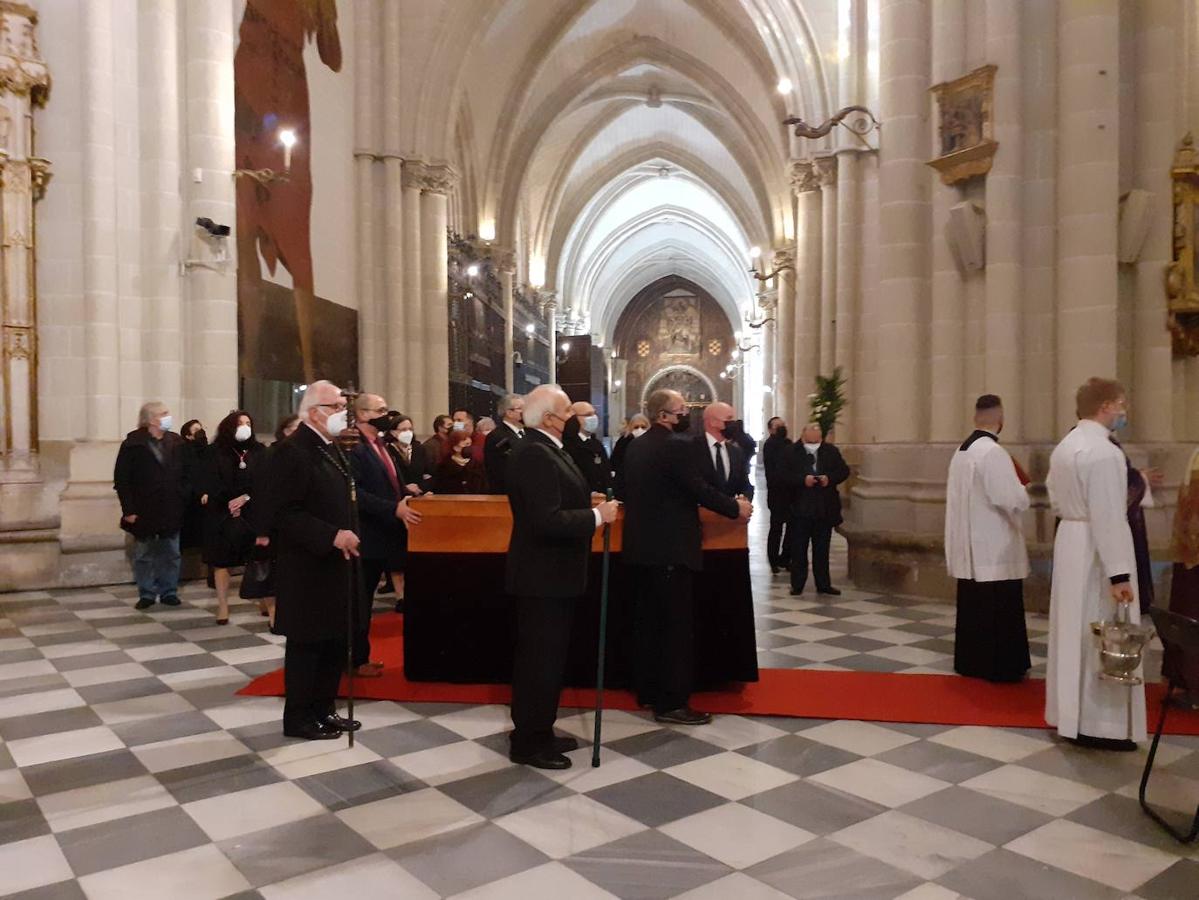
311,674
542,640
665,636
372,571
778,550
802,532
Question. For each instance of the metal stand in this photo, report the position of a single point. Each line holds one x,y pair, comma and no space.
603,631
355,576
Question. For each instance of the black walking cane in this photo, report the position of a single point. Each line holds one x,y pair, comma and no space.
603,632
355,574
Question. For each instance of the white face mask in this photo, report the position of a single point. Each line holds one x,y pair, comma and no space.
589,424
336,423
165,423
811,448
459,426
404,437
637,432
242,434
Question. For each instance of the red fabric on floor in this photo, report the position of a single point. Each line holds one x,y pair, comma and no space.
871,696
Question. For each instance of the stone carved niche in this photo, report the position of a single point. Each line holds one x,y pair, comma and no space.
1182,287
967,145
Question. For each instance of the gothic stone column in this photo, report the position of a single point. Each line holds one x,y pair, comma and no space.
437,183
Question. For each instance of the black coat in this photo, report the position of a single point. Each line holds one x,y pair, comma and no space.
156,492
619,449
415,469
192,533
552,521
229,540
307,503
381,532
497,449
737,477
774,455
821,504
663,490
592,459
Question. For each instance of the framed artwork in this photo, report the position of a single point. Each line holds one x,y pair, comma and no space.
966,142
1182,289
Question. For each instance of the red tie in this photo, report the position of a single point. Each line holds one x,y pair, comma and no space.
377,443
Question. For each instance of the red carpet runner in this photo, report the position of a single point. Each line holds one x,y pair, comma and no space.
871,696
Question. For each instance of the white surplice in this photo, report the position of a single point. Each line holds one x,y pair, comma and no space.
984,540
1088,487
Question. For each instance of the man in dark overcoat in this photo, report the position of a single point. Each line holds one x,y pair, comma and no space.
812,471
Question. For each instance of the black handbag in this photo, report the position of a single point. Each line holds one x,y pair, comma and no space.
258,580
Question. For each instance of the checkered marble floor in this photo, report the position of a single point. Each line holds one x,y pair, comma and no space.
129,768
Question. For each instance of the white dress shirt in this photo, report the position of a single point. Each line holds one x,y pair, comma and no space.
599,520
721,448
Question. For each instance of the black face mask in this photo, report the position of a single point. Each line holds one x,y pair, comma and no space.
683,425
385,422
571,428
781,432
733,429
200,438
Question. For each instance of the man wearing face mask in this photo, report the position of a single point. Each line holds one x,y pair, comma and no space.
500,443
778,495
1094,571
548,556
585,448
437,447
383,516
663,548
308,508
813,471
719,456
150,482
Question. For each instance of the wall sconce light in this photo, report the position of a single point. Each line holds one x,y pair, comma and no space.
487,229
472,271
266,177
530,329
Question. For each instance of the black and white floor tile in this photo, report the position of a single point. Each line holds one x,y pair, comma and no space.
129,768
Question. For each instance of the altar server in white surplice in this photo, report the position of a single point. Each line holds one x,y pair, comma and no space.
985,552
1094,568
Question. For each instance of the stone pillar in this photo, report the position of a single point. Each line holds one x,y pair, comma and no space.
1005,213
507,269
371,346
806,350
947,333
619,409
1157,81
24,84
438,181
826,173
903,197
1088,188
848,281
394,311
768,304
549,307
784,382
415,339
210,383
99,224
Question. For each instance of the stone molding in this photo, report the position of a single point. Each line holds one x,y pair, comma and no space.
803,176
432,178
22,69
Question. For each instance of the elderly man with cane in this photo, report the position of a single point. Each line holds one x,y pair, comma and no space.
310,505
552,526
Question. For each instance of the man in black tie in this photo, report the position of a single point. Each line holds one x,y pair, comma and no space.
585,448
662,547
308,508
383,516
812,472
552,526
778,497
498,446
720,458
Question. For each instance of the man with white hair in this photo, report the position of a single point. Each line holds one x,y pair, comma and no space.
502,441
552,526
309,508
149,480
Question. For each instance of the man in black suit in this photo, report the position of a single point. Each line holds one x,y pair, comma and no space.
778,495
585,448
663,546
812,471
383,514
720,458
502,441
308,509
552,526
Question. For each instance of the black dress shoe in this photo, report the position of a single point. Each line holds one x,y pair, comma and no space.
564,744
543,759
144,603
831,591
333,720
313,731
1120,745
774,570
795,593
684,715
172,600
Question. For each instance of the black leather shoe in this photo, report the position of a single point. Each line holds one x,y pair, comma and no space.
313,731
831,591
333,720
144,603
544,759
564,744
774,570
684,715
171,601
1119,745
795,593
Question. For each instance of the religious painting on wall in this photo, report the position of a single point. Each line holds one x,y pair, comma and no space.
1182,275
678,326
967,145
287,332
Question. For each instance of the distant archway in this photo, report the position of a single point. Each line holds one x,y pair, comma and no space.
684,379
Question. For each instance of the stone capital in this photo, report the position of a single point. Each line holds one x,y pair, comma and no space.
768,301
826,170
22,69
433,178
803,176
784,256
505,259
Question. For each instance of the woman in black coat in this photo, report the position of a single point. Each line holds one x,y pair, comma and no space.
195,448
229,532
460,473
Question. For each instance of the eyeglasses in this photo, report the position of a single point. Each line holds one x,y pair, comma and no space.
336,407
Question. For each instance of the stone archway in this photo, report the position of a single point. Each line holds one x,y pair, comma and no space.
680,378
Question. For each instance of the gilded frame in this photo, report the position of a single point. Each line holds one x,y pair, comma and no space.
965,130
1182,290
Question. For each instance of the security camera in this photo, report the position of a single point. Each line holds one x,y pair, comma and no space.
212,227
517,359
